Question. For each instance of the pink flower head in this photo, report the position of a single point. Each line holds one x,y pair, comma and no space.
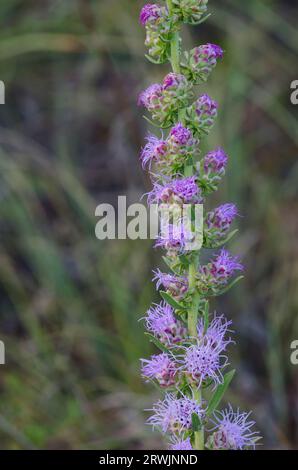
216,161
206,107
163,324
207,53
160,367
216,332
154,150
150,97
181,135
173,80
233,430
177,286
224,265
150,13
174,414
221,218
203,361
174,238
180,191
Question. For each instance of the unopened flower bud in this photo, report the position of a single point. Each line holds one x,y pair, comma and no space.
201,61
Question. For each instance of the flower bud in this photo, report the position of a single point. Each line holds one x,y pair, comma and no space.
201,61
159,27
201,115
190,11
165,100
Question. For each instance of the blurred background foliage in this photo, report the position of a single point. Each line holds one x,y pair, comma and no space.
70,135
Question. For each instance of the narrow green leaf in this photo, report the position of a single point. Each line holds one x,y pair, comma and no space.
195,422
172,301
157,343
219,392
232,284
221,242
150,122
153,61
202,20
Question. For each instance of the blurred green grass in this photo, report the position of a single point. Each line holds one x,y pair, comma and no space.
70,134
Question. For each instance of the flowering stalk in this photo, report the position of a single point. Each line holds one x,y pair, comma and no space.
192,363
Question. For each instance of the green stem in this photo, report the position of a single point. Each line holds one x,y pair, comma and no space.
199,443
193,311
175,53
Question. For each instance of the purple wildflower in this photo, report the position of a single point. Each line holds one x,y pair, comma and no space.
174,238
215,162
181,445
220,219
161,321
181,135
150,97
177,286
216,331
174,414
150,13
160,367
233,430
181,191
154,150
224,265
204,361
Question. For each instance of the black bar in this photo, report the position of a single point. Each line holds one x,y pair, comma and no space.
139,459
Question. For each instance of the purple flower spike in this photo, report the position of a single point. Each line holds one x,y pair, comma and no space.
216,161
179,191
224,266
163,324
221,218
174,414
176,286
181,445
150,13
233,431
216,332
181,135
154,150
160,367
